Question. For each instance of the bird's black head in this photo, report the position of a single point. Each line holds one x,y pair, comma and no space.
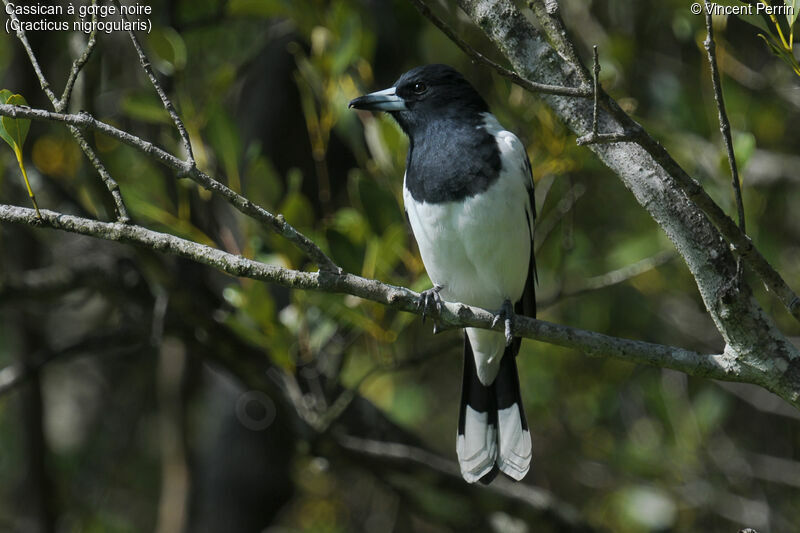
424,94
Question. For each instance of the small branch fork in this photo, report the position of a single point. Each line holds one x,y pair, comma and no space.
61,104
602,138
78,64
724,123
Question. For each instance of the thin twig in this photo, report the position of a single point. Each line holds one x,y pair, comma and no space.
595,76
623,274
548,223
724,123
78,64
609,279
727,366
105,175
110,183
45,85
321,421
147,67
602,138
608,138
274,222
503,71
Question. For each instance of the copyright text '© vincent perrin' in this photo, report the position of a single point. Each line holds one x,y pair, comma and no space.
758,8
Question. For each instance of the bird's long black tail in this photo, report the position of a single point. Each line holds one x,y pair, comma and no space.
493,434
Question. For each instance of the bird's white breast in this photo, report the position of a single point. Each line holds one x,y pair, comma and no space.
478,248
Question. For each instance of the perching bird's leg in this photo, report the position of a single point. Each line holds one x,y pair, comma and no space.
506,313
431,301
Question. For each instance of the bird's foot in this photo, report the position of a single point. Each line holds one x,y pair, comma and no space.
430,301
506,314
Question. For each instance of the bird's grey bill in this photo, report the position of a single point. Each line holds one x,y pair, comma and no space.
385,100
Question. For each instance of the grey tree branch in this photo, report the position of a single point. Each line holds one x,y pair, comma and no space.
731,365
147,67
724,123
58,105
276,223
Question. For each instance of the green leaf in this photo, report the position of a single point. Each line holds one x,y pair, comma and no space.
774,48
757,21
791,16
5,94
393,244
344,251
223,135
745,144
380,207
146,108
169,49
779,51
14,130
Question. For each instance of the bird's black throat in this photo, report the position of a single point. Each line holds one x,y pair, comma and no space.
451,159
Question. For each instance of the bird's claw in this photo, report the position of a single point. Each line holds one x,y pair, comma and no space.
506,314
430,300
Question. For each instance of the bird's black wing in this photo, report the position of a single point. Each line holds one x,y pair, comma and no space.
527,304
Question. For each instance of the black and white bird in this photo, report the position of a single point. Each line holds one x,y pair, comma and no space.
468,195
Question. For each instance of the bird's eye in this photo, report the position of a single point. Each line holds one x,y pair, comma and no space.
420,88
